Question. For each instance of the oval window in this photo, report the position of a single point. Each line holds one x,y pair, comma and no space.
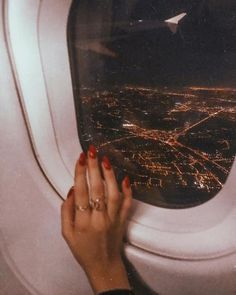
154,87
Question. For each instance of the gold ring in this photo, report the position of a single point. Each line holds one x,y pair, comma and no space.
81,208
98,204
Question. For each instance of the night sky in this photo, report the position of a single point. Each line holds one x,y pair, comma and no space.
202,52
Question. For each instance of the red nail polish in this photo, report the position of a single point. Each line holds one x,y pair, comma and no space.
82,159
106,163
70,192
92,151
127,181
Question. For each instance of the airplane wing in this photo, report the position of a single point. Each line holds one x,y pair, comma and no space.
98,47
173,22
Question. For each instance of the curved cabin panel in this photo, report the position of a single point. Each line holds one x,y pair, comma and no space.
154,88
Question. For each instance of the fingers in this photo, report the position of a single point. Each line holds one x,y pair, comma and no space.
67,216
127,201
81,188
114,196
95,178
89,199
97,198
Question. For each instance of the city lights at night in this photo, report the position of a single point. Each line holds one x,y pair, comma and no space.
160,101
171,142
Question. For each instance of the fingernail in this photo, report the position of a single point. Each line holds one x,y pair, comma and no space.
106,163
82,159
92,151
69,192
127,181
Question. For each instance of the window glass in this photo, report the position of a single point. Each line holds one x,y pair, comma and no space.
155,89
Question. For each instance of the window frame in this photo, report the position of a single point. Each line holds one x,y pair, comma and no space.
42,71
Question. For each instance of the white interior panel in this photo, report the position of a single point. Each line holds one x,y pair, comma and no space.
187,251
193,223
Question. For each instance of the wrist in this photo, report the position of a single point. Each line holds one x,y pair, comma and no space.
109,277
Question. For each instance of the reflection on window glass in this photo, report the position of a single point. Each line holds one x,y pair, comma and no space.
155,89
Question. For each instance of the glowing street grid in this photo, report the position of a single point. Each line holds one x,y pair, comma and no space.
177,146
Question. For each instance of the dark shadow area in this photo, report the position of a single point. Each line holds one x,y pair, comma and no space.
138,285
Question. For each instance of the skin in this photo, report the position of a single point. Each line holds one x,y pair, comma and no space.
95,236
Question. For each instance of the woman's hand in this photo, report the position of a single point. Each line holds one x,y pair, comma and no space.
93,222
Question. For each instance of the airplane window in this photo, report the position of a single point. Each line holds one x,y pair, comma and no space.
155,89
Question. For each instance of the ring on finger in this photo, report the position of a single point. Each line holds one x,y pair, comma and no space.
98,204
82,208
